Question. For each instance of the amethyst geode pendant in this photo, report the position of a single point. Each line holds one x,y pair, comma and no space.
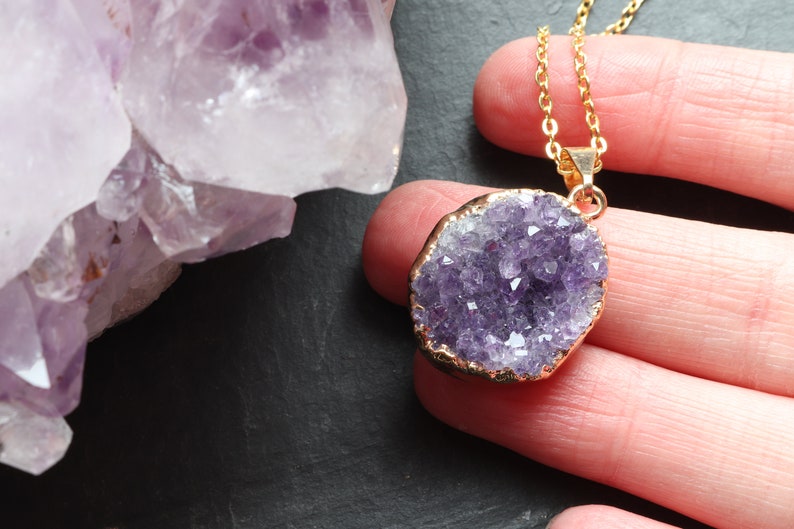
508,285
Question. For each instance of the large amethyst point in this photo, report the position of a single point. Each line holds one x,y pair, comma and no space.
236,106
508,285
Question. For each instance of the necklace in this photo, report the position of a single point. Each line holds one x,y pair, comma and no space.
577,165
507,286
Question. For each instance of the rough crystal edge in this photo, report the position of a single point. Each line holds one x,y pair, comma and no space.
388,7
443,357
17,424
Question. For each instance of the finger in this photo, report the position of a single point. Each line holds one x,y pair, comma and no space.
601,517
711,301
719,116
714,452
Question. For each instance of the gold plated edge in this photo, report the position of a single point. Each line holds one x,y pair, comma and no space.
444,357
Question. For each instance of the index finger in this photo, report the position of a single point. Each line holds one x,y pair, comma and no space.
714,115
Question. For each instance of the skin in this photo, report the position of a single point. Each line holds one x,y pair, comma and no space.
684,392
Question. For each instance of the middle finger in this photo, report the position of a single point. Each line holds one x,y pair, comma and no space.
711,301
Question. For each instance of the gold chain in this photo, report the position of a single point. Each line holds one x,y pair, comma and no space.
613,29
549,124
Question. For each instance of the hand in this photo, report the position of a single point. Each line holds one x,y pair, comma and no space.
684,392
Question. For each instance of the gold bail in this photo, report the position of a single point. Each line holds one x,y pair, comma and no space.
577,167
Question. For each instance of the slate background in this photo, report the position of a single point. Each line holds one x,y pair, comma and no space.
272,388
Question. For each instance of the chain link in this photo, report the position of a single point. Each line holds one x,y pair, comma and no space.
549,125
626,16
583,83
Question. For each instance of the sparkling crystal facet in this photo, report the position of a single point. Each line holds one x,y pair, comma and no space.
521,297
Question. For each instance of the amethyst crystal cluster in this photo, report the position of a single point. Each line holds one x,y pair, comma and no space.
140,134
508,285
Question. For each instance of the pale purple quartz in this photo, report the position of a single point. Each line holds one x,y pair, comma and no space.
307,91
140,134
512,284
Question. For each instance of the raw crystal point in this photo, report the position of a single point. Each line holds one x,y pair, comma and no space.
512,284
189,221
388,7
18,425
43,363
63,127
236,106
308,88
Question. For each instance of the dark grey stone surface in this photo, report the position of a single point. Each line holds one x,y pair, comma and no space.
272,388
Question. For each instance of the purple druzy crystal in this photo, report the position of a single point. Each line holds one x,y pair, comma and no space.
512,282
